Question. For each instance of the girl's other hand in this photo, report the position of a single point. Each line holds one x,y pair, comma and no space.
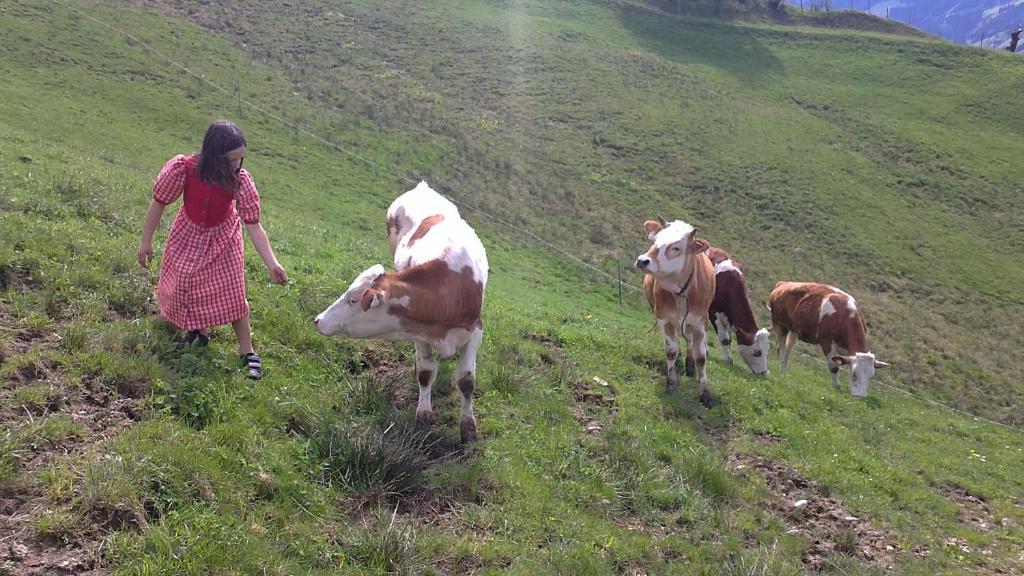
145,253
277,274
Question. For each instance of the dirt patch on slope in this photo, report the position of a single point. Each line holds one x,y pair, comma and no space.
973,510
593,403
812,511
41,536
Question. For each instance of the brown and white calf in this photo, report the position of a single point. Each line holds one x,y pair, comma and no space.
433,298
680,284
731,314
824,315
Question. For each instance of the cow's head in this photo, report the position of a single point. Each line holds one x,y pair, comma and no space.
862,367
756,355
674,245
359,312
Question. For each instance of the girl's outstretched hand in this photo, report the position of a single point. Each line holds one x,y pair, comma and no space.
145,254
277,274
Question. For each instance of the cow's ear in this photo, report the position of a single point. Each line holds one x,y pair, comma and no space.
880,364
652,227
699,245
841,360
371,298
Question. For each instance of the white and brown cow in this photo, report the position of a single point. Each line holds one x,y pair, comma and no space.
433,298
731,314
680,284
824,315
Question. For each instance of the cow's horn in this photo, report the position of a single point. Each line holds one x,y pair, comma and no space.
662,220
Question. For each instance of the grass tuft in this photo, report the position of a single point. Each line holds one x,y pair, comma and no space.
370,462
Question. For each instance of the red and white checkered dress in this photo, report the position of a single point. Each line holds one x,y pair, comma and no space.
202,275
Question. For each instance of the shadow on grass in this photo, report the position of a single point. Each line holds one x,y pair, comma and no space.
732,49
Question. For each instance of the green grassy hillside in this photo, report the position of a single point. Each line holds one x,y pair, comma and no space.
881,164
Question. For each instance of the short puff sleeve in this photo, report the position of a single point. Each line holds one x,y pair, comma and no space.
170,183
247,199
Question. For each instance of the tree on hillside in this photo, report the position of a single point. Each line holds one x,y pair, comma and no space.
776,4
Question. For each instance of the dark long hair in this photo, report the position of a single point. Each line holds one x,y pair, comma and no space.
214,166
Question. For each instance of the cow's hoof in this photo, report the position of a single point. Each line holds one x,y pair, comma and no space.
691,367
707,399
467,431
424,420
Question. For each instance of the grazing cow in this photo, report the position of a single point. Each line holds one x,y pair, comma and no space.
433,298
827,316
680,284
730,312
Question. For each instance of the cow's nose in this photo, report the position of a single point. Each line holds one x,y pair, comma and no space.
643,262
316,321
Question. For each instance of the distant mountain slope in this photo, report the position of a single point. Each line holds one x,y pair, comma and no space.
962,21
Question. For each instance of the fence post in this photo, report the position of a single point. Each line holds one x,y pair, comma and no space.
619,263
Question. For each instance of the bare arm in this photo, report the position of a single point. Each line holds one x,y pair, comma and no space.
262,243
153,215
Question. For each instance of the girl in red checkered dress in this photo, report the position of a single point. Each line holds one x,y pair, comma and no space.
202,275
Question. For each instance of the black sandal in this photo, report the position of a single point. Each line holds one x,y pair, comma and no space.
253,364
196,338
